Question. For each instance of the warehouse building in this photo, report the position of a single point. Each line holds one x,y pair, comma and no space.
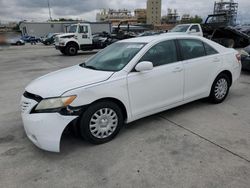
40,29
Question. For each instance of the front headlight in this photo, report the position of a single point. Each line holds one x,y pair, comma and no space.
54,103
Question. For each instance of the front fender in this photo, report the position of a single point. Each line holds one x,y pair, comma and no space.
116,89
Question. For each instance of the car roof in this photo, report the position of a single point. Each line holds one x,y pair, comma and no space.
155,38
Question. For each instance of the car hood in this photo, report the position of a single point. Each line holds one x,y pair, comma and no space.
56,83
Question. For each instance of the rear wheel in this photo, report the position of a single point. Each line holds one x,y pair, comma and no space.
71,49
220,89
101,122
18,43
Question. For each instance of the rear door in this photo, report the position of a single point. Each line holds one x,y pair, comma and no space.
201,62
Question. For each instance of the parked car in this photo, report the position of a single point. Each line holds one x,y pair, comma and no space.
102,39
49,39
30,39
126,81
245,58
16,41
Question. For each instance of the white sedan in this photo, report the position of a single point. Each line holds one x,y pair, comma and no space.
124,82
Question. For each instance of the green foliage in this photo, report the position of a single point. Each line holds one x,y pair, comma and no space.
195,19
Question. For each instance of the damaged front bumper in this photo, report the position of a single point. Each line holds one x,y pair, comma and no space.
44,129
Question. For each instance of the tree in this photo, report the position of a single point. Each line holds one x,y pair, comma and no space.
196,19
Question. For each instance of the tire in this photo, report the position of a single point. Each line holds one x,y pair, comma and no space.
18,43
71,50
220,89
63,51
47,43
99,128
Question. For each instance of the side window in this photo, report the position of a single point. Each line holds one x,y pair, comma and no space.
191,48
195,27
83,29
209,49
161,54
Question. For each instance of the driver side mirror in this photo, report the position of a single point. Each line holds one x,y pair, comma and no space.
144,66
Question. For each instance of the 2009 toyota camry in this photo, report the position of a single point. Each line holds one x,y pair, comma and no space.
124,82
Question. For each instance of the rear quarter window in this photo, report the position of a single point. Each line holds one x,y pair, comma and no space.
210,50
191,48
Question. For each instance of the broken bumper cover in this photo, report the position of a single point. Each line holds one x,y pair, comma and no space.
44,129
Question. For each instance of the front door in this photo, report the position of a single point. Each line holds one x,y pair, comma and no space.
160,87
84,36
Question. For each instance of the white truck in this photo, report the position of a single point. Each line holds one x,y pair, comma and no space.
81,37
192,29
220,32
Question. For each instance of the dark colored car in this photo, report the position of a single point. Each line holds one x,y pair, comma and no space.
49,39
245,59
101,40
245,29
27,38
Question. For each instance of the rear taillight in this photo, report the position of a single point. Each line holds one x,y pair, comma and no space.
238,57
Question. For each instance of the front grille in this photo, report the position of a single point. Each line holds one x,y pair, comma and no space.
28,95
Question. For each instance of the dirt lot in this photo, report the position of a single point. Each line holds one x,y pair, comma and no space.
195,145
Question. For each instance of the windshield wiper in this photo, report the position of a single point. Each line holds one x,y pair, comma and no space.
88,66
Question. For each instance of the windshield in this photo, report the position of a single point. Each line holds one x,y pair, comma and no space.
50,35
72,29
115,57
180,28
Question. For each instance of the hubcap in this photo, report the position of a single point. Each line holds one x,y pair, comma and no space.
103,123
221,88
72,50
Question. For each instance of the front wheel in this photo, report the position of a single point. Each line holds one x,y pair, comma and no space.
101,122
220,89
71,50
63,51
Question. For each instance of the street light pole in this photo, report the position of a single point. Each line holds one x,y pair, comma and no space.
50,18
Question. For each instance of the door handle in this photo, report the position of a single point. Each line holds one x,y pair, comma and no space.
178,69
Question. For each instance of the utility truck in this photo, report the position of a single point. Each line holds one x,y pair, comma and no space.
81,37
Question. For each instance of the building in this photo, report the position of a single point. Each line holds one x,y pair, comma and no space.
185,18
229,8
154,12
40,29
141,15
116,16
171,18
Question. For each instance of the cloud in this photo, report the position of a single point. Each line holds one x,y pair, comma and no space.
37,10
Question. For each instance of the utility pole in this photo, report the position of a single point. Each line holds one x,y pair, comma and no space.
50,18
